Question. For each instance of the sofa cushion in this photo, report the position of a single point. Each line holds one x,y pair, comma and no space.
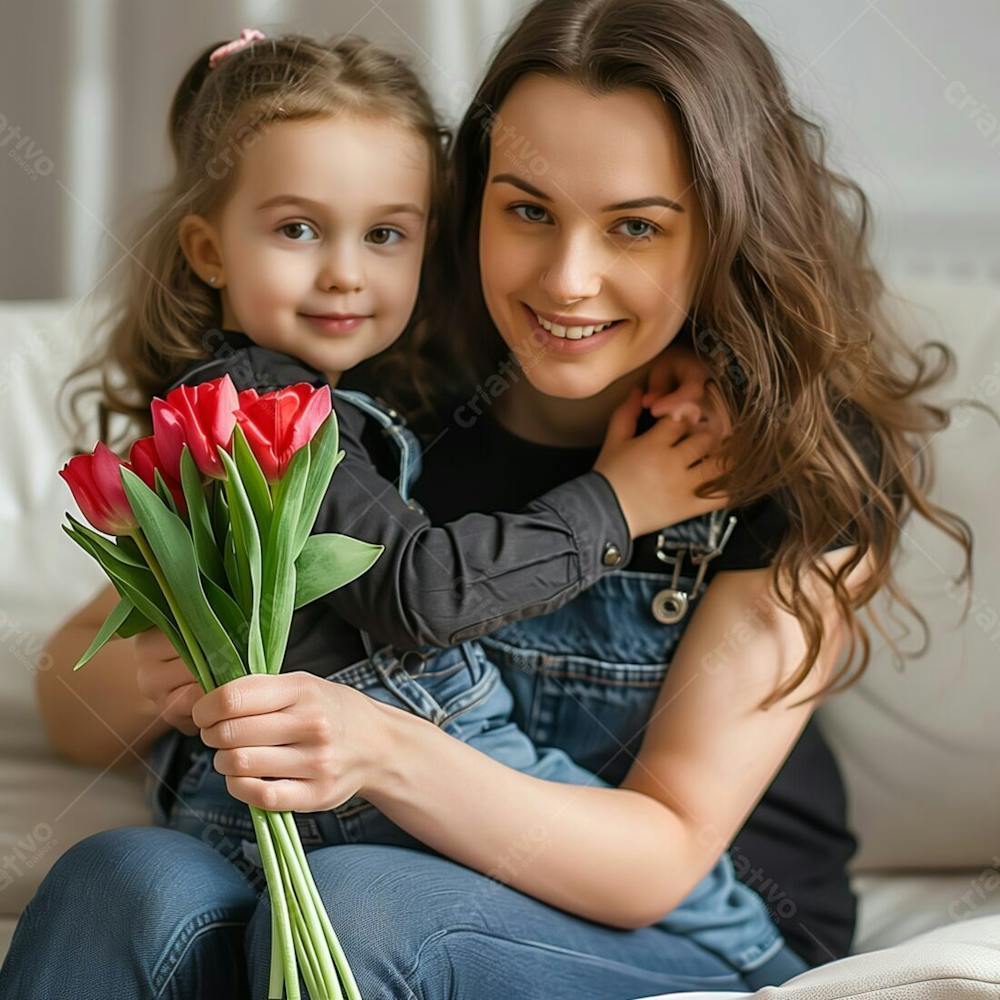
958,962
919,747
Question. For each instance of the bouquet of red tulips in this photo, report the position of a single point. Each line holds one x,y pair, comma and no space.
211,519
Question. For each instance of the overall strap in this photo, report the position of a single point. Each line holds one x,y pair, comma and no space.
395,427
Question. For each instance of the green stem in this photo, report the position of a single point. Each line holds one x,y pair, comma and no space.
205,677
339,958
301,880
309,962
276,984
280,904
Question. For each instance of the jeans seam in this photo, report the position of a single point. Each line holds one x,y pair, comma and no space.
210,920
604,963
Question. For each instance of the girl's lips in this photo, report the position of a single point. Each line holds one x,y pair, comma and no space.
563,345
336,326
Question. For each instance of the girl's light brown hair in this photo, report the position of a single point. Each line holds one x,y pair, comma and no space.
156,323
789,315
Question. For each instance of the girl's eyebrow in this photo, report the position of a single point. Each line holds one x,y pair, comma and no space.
404,208
651,201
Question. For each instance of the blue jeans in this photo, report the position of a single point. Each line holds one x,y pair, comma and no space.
183,911
162,914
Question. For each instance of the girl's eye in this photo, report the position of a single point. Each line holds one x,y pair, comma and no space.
380,236
638,229
294,231
533,213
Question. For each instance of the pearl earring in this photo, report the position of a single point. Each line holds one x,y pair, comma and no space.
213,279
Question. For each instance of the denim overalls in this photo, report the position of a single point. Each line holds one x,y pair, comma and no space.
564,697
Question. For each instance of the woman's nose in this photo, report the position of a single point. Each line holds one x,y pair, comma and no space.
574,274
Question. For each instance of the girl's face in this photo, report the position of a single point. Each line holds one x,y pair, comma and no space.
320,245
588,218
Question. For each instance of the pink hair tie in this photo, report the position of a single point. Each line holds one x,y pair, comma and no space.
247,37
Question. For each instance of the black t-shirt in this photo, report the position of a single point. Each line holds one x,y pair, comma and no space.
794,848
483,454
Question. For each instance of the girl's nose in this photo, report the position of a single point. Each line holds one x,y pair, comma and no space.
341,271
574,274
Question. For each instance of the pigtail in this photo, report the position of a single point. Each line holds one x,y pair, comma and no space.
185,96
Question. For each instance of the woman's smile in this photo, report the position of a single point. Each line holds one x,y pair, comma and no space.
571,335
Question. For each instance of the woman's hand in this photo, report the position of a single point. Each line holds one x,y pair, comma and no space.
317,740
163,677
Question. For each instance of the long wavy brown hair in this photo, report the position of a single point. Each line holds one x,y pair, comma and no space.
790,315
160,309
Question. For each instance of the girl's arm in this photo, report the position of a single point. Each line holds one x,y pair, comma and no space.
440,585
626,856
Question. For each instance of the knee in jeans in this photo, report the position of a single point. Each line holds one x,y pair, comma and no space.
107,860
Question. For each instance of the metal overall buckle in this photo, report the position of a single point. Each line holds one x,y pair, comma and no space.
671,604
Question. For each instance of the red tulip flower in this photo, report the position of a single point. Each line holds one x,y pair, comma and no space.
96,483
144,460
200,416
279,423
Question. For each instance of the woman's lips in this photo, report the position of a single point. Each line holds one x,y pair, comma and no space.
563,345
335,324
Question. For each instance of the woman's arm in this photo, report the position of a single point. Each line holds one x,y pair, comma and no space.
94,715
626,856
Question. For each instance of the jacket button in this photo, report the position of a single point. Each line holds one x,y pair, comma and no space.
612,555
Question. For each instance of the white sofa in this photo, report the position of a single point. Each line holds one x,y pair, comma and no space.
920,748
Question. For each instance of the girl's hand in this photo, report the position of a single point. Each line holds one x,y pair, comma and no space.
655,474
316,739
163,678
680,385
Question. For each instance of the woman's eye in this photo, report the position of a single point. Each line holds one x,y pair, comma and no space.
637,229
533,213
381,236
294,231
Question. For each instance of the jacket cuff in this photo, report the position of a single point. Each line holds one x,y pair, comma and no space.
590,508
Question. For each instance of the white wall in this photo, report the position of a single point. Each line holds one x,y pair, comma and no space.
909,89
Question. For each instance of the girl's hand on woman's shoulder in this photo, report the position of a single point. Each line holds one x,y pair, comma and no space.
656,473
680,385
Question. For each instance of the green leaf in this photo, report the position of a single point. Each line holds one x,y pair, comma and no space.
173,548
142,590
231,615
209,560
107,631
115,552
254,481
246,540
323,459
135,623
129,551
220,509
278,593
238,575
108,556
327,562
163,492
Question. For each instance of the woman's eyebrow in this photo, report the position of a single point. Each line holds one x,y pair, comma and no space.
650,202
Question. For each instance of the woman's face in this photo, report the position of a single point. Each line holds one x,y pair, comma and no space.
589,217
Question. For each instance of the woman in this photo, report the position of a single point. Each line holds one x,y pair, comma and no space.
634,163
